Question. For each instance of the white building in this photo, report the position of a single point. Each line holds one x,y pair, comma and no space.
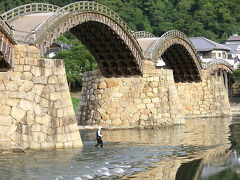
209,50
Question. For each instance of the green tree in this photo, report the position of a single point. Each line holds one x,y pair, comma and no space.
77,61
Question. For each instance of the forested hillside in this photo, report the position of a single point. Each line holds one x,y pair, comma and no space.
214,19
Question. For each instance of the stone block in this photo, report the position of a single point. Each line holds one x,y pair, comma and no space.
111,111
47,72
14,76
102,85
117,121
44,120
26,105
154,84
47,145
77,143
39,137
145,111
68,144
38,89
5,120
44,103
66,94
155,90
11,130
61,138
105,117
59,145
55,96
26,86
75,135
39,110
60,112
2,86
146,101
144,117
12,86
125,116
36,71
27,68
52,80
40,80
26,76
141,106
131,109
18,68
156,100
4,76
116,95
5,110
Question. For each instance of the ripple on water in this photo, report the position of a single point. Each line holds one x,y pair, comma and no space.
125,152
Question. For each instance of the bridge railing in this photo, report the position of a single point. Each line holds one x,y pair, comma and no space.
29,9
6,26
215,62
171,34
82,6
142,34
6,45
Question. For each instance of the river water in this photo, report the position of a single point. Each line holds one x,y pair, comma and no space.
200,149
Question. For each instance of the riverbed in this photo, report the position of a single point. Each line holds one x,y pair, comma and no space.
201,149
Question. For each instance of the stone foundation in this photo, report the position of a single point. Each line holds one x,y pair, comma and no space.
208,98
35,104
153,99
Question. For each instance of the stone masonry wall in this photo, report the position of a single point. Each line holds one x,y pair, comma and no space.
151,100
208,98
125,102
35,104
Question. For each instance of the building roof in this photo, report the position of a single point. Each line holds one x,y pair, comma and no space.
234,37
204,44
64,46
233,47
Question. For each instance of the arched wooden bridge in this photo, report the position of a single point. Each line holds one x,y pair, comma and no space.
117,50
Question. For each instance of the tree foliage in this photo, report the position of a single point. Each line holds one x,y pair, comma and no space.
77,60
213,19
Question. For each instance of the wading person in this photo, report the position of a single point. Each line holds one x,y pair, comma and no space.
99,137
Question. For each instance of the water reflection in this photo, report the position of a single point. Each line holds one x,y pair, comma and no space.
201,149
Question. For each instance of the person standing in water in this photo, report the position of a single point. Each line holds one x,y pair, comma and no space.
99,137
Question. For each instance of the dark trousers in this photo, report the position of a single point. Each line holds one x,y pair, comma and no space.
99,141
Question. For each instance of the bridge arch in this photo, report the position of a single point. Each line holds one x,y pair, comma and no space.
105,34
142,34
218,65
221,68
178,53
28,9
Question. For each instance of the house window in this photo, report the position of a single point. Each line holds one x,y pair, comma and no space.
224,55
219,54
213,55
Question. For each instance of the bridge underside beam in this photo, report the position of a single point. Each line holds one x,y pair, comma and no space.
111,53
4,66
184,68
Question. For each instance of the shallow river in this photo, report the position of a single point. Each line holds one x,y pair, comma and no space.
201,149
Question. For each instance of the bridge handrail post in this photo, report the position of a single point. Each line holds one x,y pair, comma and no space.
84,6
26,9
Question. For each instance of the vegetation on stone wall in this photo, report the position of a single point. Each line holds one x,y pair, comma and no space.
75,102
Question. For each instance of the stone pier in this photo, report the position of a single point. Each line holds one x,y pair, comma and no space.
153,99
35,105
